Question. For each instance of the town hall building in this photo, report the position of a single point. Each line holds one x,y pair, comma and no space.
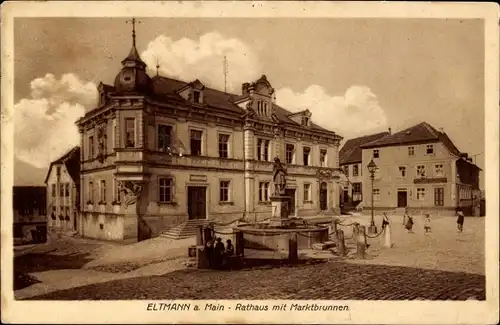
158,152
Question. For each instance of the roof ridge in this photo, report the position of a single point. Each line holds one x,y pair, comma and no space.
186,83
431,129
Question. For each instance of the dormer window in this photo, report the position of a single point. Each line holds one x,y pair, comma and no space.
262,108
196,97
305,120
103,98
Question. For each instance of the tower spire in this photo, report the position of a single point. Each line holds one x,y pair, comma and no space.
133,57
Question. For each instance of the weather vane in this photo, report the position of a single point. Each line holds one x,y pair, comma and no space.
133,21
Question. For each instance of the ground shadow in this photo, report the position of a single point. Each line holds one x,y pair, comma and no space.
22,280
36,262
250,263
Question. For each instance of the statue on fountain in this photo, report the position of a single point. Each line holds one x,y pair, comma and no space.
279,177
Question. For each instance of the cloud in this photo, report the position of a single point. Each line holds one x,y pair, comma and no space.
355,113
188,59
44,125
203,59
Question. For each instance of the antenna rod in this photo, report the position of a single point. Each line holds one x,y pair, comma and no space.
225,73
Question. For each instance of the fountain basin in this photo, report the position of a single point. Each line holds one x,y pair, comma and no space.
261,236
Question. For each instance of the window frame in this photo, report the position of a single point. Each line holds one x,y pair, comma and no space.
402,172
91,146
91,191
355,170
266,143
439,196
436,170
227,189
220,136
116,191
191,139
419,174
431,147
421,193
163,187
307,192
411,151
195,99
292,152
264,191
127,130
306,162
163,137
376,153
102,190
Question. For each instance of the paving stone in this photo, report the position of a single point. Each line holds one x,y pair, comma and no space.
330,280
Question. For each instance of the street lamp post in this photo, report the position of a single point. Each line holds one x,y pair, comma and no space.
372,167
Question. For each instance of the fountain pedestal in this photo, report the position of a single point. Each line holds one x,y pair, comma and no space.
280,211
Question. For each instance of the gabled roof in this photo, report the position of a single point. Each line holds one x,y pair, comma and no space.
167,88
420,133
71,160
351,151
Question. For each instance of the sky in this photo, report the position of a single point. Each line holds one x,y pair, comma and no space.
356,76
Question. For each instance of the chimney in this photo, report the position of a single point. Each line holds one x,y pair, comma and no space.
390,131
244,89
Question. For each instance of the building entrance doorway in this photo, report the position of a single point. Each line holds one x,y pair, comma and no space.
346,196
197,202
323,197
402,199
291,204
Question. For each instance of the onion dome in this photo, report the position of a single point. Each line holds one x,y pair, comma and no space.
133,78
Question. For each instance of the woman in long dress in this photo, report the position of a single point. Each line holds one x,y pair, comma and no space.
409,224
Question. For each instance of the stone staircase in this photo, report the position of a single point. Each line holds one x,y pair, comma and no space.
184,230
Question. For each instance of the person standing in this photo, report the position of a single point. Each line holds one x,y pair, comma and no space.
409,224
427,223
405,216
460,220
219,250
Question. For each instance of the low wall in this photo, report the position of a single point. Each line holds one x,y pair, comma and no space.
268,239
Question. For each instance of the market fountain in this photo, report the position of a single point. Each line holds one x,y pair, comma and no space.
281,229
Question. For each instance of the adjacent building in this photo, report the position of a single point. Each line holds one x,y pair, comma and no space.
352,166
420,168
63,193
29,211
158,152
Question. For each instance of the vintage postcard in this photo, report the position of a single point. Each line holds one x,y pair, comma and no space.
250,162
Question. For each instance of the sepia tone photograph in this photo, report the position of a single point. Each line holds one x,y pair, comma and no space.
186,160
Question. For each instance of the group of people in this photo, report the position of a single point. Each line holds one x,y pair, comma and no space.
217,254
408,221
